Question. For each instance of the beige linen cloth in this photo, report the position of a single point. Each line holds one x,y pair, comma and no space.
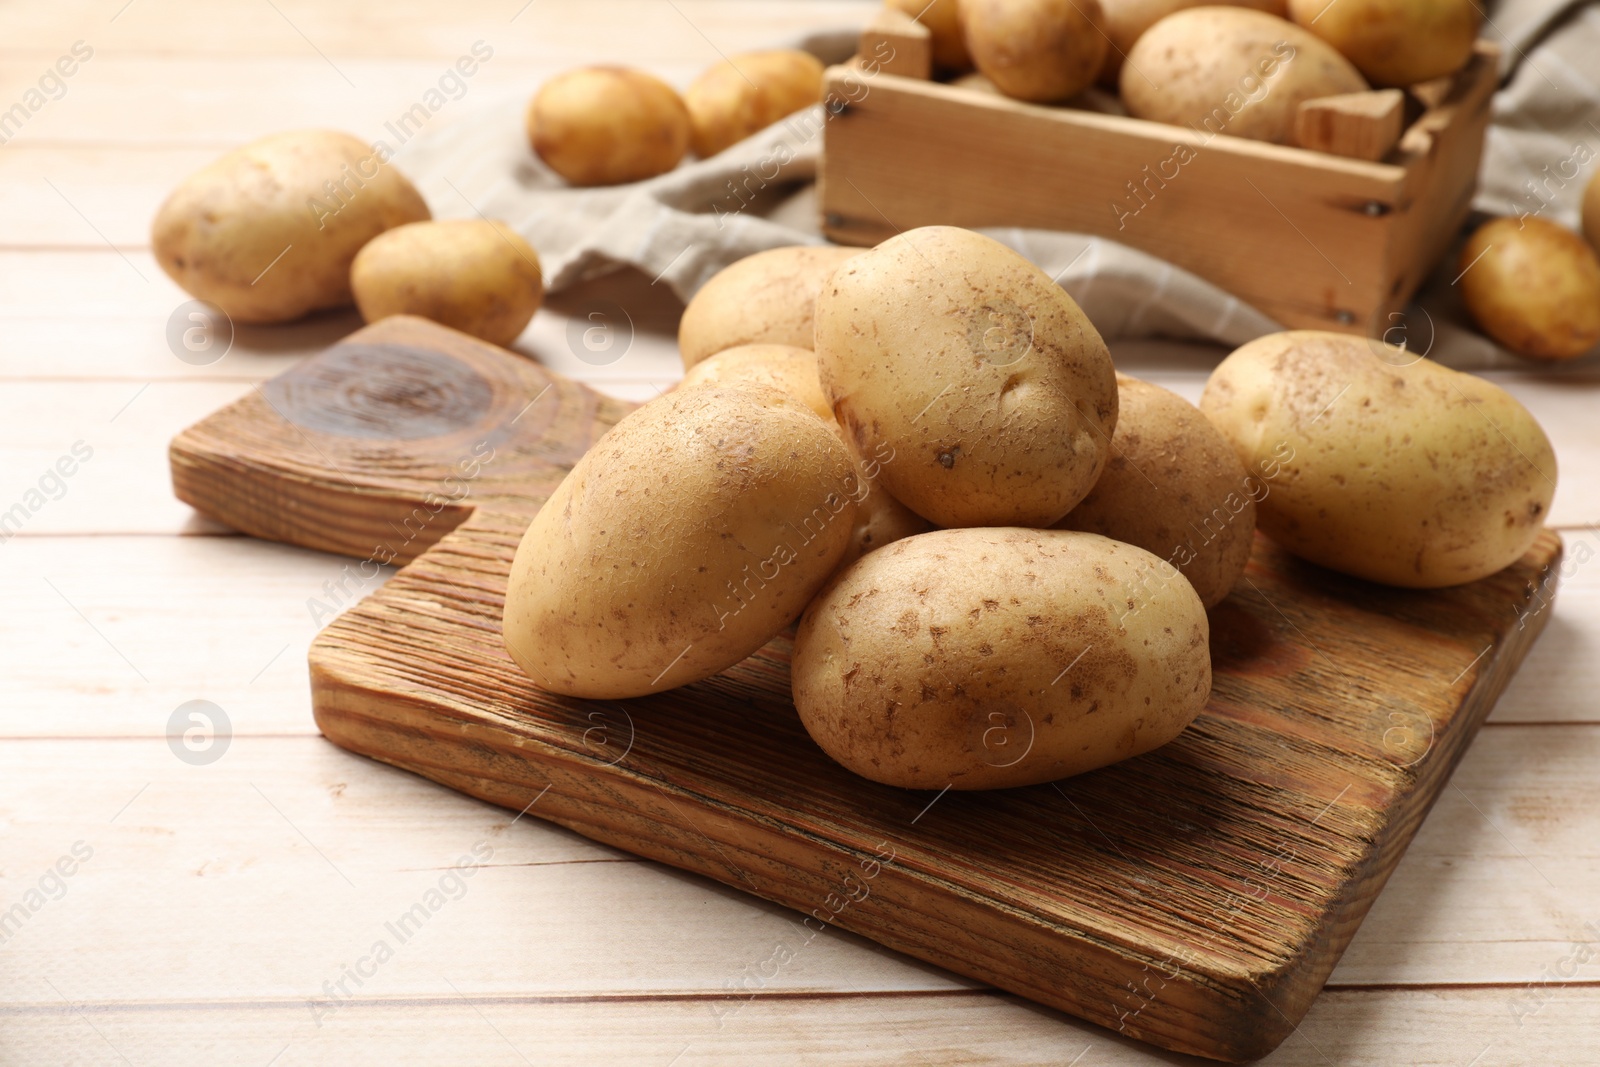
678,228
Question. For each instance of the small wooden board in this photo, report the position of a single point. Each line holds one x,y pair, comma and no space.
1196,897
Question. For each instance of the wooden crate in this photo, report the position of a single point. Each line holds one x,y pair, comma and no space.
1317,241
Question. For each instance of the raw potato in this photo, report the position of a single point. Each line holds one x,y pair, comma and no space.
943,20
1231,70
1126,20
1395,43
475,275
268,231
747,93
880,518
1383,465
1174,488
1534,286
988,658
608,125
692,533
767,298
783,367
979,385
1039,50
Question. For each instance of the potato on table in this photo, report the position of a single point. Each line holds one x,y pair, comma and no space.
475,275
1229,70
983,389
268,231
1534,286
685,539
1383,465
986,658
748,92
767,298
1174,487
608,125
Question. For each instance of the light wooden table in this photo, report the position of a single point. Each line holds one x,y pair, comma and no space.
211,907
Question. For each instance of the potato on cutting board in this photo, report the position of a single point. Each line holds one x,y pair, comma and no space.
1174,487
1390,467
767,298
982,386
987,658
880,518
268,231
685,539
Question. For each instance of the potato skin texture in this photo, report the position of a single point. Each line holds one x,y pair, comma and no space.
1039,50
221,232
989,658
1388,467
1394,43
767,298
690,534
475,275
1126,20
880,518
1174,488
986,383
1232,70
607,125
943,21
747,93
1534,286
786,368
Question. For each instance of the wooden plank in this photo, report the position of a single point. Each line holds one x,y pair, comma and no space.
266,872
247,611
45,186
1357,125
186,849
127,421
636,31
417,676
89,315
1351,1029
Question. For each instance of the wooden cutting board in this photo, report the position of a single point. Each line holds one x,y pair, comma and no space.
1195,898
